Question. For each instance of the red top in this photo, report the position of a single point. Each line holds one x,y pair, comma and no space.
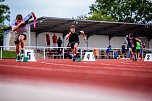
47,38
54,38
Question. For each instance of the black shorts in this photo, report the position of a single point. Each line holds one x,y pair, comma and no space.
138,50
123,51
17,37
133,49
72,44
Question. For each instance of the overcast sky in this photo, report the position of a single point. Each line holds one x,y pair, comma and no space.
51,8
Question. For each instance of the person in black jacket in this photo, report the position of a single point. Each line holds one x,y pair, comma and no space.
74,40
132,45
59,42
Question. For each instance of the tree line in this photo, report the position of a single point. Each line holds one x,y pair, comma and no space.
131,11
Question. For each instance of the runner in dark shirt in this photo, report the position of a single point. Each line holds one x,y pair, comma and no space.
74,40
132,45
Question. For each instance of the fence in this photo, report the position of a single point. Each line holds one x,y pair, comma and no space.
65,52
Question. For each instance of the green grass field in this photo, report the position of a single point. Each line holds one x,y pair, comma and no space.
8,54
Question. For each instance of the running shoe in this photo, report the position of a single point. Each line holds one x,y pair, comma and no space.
18,58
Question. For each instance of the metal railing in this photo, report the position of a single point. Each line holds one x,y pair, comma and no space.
64,52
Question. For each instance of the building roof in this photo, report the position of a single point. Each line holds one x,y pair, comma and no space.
91,27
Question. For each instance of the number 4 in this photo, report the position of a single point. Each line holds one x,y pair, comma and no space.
88,56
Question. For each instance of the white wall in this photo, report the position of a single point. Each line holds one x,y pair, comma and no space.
6,39
145,40
117,42
150,44
33,39
82,42
41,38
98,41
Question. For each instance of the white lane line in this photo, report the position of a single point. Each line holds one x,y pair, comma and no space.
68,70
128,64
124,63
102,67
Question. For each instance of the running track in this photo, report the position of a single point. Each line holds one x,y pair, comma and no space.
118,74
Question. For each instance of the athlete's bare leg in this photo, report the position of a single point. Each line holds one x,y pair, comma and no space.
21,40
17,49
75,48
131,54
74,51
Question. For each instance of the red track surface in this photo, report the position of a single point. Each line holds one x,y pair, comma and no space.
124,74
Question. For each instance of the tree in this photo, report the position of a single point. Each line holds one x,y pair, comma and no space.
82,17
134,11
4,15
4,12
100,16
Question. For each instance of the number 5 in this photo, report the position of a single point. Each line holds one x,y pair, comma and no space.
29,55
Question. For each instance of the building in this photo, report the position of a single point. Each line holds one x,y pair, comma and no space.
100,34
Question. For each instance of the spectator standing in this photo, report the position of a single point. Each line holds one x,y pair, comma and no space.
48,40
59,42
123,50
108,50
138,46
54,38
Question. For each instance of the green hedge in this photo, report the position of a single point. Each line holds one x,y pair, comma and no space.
9,54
